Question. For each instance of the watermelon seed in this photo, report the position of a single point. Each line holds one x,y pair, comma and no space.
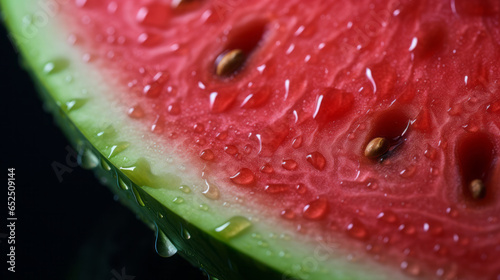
229,62
475,153
477,189
377,147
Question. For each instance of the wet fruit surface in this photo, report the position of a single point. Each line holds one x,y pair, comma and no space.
377,121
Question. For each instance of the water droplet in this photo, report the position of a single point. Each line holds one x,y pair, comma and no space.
203,207
87,159
316,209
410,268
221,135
256,98
230,150
387,216
158,124
288,214
243,177
186,234
137,196
301,189
207,155
149,39
174,109
211,191
163,245
199,128
74,104
178,200
55,66
152,90
357,230
267,168
222,100
407,229
297,142
289,164
154,15
233,227
317,160
247,149
185,189
331,104
200,141
105,165
276,188
124,186
136,112
118,148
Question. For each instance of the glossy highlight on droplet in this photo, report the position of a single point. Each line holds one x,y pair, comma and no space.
233,227
244,177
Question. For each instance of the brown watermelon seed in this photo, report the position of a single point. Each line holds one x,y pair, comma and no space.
377,147
230,62
477,189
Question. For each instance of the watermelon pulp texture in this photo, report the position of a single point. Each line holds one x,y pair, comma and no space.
284,134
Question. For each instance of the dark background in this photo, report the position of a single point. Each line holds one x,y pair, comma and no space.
68,230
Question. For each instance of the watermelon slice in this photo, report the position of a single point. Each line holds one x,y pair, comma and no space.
286,139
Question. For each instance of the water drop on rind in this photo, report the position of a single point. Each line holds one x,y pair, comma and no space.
233,227
163,245
137,196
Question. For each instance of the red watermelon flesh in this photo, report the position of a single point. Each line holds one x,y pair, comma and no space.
287,130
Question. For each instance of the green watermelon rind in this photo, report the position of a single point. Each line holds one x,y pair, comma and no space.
237,258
